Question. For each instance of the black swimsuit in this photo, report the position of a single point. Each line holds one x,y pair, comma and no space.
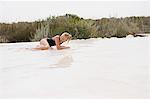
51,42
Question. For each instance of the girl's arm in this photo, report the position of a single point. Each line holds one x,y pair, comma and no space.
58,46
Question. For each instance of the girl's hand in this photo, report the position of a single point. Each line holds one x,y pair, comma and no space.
65,47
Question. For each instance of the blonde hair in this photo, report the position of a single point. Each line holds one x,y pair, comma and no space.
68,35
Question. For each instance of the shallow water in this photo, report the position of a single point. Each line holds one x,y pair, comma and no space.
91,69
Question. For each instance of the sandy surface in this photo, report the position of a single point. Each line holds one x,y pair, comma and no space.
92,69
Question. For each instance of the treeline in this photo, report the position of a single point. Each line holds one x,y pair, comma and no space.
78,27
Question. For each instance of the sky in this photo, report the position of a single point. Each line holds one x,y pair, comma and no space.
14,11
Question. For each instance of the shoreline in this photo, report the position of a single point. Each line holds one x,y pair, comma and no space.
128,36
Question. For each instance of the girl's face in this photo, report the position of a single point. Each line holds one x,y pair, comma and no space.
65,38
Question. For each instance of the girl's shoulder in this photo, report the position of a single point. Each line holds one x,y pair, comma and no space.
56,37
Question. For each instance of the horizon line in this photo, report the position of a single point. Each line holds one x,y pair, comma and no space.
40,19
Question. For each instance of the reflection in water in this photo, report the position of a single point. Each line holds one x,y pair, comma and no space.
63,62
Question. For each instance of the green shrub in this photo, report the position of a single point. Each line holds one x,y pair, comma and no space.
78,27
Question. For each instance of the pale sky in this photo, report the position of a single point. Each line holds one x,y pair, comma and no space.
14,11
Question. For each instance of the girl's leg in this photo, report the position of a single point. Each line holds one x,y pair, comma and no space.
43,45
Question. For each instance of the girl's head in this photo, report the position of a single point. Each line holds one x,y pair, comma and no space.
66,36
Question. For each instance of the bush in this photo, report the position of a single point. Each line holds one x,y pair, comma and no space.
78,27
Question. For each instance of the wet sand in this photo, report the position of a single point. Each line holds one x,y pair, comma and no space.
116,68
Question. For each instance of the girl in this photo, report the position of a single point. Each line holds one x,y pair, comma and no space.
57,40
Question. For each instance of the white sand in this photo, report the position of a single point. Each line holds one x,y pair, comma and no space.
92,69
